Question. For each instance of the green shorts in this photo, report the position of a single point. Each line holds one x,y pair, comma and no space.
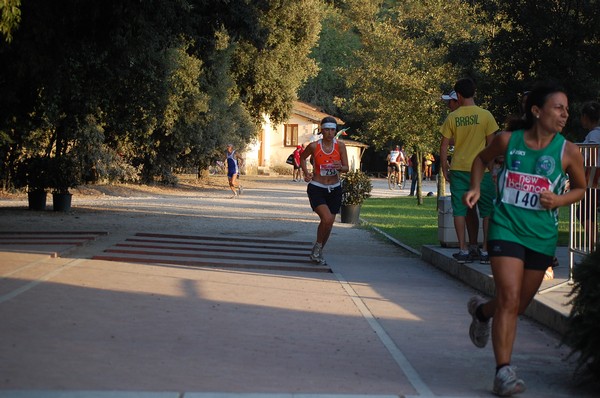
460,181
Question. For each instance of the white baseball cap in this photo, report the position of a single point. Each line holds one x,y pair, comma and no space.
451,96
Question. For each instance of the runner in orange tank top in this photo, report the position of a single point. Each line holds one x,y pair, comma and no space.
324,190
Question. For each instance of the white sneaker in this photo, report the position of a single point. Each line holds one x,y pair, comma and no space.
316,256
479,332
506,382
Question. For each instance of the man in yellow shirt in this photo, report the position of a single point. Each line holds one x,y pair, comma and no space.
471,128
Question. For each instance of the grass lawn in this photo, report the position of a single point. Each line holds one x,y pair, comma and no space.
416,225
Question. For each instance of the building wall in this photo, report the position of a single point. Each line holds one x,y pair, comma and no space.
353,157
280,152
268,150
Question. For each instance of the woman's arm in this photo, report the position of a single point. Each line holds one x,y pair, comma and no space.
573,165
496,148
344,167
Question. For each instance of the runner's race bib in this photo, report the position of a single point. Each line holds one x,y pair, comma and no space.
523,190
328,169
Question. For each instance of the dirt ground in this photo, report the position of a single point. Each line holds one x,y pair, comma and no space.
186,183
194,206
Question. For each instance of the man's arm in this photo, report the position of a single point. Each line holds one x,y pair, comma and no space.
444,156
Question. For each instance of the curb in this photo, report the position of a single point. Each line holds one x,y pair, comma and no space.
540,309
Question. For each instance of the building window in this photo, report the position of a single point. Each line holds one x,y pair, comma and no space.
290,137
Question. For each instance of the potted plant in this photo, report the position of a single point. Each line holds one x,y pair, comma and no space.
63,173
32,174
356,187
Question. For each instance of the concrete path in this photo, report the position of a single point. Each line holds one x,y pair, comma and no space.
379,322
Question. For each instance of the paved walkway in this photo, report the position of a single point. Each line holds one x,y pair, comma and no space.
221,311
551,307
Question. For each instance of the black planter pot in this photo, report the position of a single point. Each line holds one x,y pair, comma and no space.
61,201
37,200
350,214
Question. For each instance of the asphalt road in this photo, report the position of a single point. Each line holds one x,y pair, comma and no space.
381,323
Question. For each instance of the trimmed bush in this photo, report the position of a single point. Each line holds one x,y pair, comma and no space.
583,334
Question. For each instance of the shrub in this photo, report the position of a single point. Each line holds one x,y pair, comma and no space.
583,333
283,169
356,187
64,172
33,174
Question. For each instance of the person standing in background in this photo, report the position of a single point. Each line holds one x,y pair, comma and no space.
590,120
471,128
297,172
588,209
234,161
472,218
428,160
415,177
409,168
451,100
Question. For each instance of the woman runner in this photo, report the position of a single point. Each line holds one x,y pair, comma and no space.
523,229
324,189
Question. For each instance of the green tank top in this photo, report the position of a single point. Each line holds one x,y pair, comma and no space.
518,216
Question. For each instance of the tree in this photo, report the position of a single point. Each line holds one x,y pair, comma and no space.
149,83
555,40
226,119
403,64
272,63
337,44
10,17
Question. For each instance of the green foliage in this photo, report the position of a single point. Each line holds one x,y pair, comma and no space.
156,86
282,169
416,224
583,334
162,85
555,40
10,17
226,119
396,81
337,43
356,187
63,172
412,51
32,173
272,63
412,224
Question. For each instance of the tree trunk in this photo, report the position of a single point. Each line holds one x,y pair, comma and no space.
419,193
441,184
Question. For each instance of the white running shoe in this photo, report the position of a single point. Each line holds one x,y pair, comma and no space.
506,382
321,261
479,332
316,256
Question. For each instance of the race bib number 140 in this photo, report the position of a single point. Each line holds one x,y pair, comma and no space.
523,190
